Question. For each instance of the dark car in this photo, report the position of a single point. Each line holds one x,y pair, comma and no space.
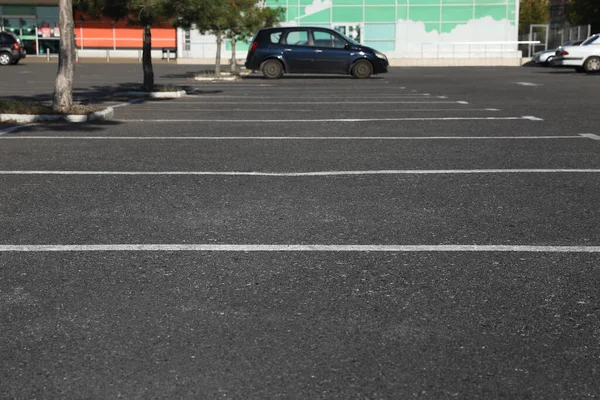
11,49
306,50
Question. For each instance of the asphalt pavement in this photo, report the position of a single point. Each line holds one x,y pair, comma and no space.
429,233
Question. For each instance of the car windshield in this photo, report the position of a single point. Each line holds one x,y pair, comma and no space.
590,40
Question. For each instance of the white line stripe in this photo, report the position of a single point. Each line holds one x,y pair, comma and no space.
293,137
528,84
14,128
316,96
127,103
337,119
300,248
176,103
314,173
314,110
590,136
532,118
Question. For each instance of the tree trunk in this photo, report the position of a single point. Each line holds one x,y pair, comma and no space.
233,60
63,85
147,59
218,60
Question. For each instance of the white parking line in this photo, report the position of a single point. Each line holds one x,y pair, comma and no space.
590,136
528,84
330,96
529,118
582,136
314,173
176,103
339,110
299,248
14,128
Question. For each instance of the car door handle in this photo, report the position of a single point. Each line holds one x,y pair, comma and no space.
319,51
287,49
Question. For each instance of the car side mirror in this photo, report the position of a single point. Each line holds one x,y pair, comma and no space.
348,46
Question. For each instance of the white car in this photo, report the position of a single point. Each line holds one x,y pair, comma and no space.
584,58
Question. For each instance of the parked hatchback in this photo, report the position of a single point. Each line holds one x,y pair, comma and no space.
305,50
11,49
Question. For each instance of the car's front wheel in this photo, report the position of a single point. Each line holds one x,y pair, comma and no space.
592,64
5,59
272,69
362,69
549,61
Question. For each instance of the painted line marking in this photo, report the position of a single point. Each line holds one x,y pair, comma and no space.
14,128
316,102
299,248
127,103
530,118
329,96
339,110
582,136
590,136
462,102
528,84
314,173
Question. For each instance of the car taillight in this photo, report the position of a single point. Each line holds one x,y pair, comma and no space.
16,46
253,46
564,53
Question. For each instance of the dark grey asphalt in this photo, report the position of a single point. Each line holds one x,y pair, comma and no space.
326,325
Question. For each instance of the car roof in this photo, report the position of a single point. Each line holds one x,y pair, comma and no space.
7,33
287,28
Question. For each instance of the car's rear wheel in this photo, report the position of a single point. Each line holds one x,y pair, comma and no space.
362,69
272,69
592,64
5,58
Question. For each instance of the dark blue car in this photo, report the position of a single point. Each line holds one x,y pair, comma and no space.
306,50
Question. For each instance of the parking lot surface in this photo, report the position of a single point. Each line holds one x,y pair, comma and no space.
428,233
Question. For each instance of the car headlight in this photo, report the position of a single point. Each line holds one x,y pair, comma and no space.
380,55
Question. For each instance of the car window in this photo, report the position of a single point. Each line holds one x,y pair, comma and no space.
297,38
591,40
326,39
275,36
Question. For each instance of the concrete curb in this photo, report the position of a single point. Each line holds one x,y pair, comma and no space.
104,115
156,95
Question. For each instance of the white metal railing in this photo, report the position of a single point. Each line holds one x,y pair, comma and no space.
492,49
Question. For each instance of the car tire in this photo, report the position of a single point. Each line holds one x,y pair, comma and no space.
362,69
272,69
5,59
592,64
549,61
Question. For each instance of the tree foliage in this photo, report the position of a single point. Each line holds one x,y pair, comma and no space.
580,12
233,19
533,12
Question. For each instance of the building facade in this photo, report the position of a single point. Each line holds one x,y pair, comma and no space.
400,28
37,26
